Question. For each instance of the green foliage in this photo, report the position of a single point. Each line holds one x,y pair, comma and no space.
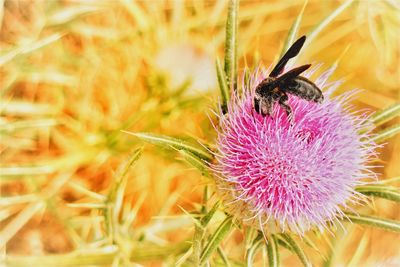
114,240
320,26
197,162
231,59
216,238
170,142
385,115
223,87
198,236
293,31
252,250
96,257
114,201
382,191
385,134
273,251
296,249
385,224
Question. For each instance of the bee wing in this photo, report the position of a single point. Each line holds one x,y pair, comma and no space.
290,75
292,52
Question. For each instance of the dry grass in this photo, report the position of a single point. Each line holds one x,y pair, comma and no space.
74,74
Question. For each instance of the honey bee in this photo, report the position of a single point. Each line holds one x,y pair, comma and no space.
274,88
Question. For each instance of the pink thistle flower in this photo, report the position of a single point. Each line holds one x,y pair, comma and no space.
280,176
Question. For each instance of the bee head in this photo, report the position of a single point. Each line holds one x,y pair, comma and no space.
266,85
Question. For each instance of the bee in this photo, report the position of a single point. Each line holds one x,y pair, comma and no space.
275,88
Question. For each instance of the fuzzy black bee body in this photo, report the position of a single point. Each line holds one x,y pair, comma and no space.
303,88
274,89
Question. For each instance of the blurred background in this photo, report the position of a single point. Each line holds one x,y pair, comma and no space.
73,74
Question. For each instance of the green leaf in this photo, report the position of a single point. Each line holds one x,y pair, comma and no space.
250,234
388,181
273,252
18,221
98,257
127,165
170,142
28,48
25,108
223,257
333,243
115,197
285,244
196,162
359,250
290,39
134,9
118,187
315,31
21,199
66,15
231,45
385,115
205,200
26,124
199,233
223,230
83,190
296,249
251,252
207,218
386,192
386,224
309,242
146,252
386,134
223,87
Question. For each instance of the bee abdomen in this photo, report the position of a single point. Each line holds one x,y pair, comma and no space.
304,88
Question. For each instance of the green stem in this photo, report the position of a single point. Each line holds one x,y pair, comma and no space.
273,252
231,45
223,230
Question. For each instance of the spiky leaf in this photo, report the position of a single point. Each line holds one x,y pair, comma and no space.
175,143
296,249
385,115
223,87
199,233
251,252
196,162
293,31
320,26
386,224
386,192
216,239
273,252
386,133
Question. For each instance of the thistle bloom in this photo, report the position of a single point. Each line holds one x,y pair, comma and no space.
280,176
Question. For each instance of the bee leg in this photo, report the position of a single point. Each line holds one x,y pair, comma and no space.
266,107
283,102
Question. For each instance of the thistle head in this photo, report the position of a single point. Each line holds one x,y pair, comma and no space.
282,176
